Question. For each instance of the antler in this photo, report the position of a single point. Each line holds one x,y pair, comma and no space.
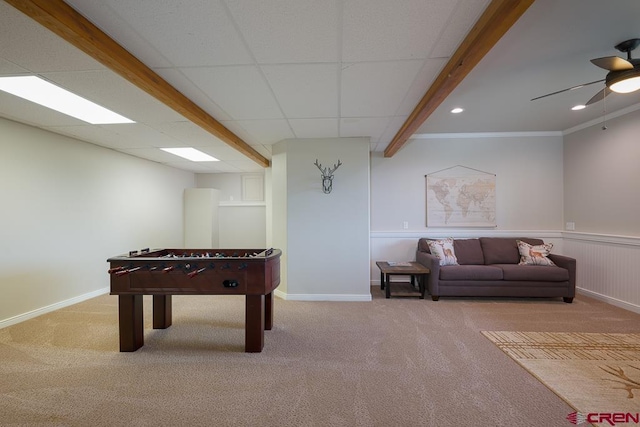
324,171
328,171
335,166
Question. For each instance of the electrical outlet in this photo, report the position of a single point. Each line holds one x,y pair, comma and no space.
405,224
570,226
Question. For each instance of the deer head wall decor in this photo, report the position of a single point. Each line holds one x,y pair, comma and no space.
327,176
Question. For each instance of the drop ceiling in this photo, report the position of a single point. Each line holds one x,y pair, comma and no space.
273,70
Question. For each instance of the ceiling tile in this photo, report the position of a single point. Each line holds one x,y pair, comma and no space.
8,68
376,89
394,125
315,128
169,26
457,27
208,167
267,131
295,85
33,47
264,150
406,32
24,111
223,153
112,23
111,91
241,91
203,167
245,165
421,84
182,84
153,154
189,134
363,126
238,130
288,31
138,135
94,134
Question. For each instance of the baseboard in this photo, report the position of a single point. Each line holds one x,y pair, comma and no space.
43,310
609,300
322,297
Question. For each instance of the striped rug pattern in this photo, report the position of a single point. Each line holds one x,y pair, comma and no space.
592,372
567,345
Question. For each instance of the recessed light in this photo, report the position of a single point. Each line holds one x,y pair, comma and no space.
578,107
35,89
457,110
190,154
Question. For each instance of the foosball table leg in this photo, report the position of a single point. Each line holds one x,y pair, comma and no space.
131,322
254,323
162,317
268,311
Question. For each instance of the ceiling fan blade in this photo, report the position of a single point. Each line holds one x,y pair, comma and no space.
599,96
612,63
568,89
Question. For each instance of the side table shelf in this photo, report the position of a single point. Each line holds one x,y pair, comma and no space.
412,269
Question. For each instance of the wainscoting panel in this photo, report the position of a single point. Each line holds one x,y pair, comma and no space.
608,267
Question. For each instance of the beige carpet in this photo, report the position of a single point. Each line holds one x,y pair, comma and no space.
389,362
593,372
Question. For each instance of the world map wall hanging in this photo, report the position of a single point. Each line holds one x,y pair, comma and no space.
460,196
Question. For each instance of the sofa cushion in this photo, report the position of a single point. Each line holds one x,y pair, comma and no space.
423,245
503,250
534,273
470,272
534,255
444,251
468,251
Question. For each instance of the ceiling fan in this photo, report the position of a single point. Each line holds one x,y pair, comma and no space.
623,75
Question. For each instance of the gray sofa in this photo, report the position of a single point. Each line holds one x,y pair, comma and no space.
488,266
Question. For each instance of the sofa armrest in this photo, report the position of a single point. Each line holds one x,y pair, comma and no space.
568,264
433,264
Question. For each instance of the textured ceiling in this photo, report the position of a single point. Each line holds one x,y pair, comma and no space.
272,70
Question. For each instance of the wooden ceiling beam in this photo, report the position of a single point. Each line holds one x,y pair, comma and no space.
64,21
496,20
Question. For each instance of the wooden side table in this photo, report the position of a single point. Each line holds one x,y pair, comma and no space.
412,269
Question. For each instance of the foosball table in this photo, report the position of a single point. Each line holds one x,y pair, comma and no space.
162,273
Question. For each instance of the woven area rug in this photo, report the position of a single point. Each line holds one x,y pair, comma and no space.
592,372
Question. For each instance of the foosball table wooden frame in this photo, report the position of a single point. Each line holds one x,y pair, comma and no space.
162,273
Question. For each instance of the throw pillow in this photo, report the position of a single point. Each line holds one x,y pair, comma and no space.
443,250
534,255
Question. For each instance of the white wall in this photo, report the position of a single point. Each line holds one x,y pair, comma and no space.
327,235
278,211
602,197
243,227
66,207
242,224
528,169
529,190
601,176
201,219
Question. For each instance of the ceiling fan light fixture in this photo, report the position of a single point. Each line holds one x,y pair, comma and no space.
625,82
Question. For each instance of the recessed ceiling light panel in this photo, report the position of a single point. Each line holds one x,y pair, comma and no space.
42,92
457,110
190,154
578,107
